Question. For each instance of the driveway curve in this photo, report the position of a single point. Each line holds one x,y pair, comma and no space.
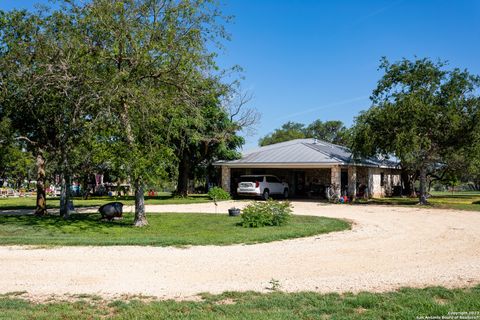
387,248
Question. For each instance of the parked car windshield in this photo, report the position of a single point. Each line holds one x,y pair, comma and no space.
251,179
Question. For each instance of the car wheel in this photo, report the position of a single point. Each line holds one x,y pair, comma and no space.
266,195
285,193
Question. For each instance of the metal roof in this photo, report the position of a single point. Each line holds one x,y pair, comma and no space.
304,152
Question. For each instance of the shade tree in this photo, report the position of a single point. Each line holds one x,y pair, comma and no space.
146,54
46,91
423,114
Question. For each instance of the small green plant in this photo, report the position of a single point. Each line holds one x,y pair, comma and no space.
217,193
269,213
274,285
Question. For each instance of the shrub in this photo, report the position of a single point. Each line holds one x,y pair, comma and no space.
217,193
269,213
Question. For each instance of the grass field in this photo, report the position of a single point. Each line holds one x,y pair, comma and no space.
403,304
164,229
162,198
447,200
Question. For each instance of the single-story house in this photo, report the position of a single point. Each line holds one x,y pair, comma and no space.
309,166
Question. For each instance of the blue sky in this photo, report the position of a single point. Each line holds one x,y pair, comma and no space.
312,59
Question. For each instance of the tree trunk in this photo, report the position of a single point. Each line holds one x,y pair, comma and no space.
476,185
65,196
183,174
140,217
423,187
407,190
413,192
65,188
119,192
41,208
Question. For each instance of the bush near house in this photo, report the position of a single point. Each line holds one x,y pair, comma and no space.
269,213
217,193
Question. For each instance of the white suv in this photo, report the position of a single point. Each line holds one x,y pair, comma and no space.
261,186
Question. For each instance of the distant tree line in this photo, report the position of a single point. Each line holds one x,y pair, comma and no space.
330,131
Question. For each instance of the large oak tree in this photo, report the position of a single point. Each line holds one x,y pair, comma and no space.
421,113
148,55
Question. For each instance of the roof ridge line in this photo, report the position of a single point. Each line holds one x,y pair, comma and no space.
325,153
271,145
335,145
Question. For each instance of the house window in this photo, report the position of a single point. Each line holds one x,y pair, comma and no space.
382,179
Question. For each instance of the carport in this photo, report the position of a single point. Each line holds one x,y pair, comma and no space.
309,166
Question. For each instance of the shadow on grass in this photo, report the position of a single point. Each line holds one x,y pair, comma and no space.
457,196
81,222
20,207
79,202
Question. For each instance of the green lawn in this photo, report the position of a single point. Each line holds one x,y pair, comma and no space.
446,200
163,198
403,304
165,229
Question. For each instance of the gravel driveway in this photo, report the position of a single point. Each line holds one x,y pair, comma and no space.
388,248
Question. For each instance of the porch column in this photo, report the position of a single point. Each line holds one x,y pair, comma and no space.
226,178
370,183
336,179
352,182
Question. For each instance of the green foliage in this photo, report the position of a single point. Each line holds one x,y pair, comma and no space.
268,213
164,229
108,86
420,113
16,163
423,114
217,193
329,131
208,136
288,131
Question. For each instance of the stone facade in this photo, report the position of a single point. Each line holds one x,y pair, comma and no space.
226,178
352,181
336,179
381,182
